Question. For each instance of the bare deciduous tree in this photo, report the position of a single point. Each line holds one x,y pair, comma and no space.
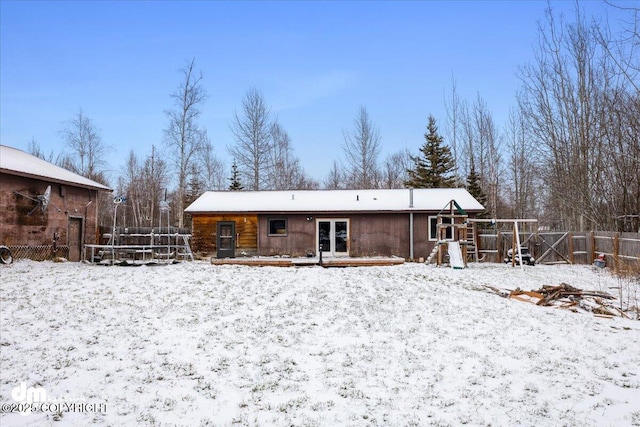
335,179
35,150
565,106
143,184
252,131
455,108
394,169
522,186
362,149
87,151
183,137
486,151
212,170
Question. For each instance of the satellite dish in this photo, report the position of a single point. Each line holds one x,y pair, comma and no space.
42,200
45,198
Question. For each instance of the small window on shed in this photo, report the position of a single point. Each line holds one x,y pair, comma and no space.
277,227
433,228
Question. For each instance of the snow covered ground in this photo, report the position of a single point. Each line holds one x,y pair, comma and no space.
410,345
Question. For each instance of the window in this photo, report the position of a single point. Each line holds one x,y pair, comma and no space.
433,228
277,227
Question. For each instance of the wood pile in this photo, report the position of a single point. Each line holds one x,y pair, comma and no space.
569,297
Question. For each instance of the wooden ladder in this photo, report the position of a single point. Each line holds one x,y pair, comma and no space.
433,253
472,247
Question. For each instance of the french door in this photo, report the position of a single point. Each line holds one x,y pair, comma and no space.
333,235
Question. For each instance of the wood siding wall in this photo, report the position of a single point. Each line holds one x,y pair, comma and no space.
204,233
378,234
369,235
299,240
388,235
18,228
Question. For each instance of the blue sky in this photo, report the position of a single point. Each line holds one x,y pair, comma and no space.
316,63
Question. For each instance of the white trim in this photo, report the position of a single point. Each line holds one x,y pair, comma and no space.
431,217
332,221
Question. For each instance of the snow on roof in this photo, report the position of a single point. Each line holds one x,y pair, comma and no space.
424,199
17,162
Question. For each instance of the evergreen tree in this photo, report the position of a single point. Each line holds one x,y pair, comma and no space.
235,179
474,188
434,165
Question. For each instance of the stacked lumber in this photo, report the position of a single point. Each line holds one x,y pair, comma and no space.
569,297
554,293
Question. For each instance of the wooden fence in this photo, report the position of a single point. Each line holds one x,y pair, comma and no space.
563,247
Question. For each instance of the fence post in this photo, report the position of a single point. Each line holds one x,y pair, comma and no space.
616,250
592,249
571,260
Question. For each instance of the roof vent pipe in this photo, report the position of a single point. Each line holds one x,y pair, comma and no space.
410,197
357,197
293,197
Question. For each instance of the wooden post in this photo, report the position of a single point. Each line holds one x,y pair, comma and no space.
439,237
571,260
513,249
476,240
616,251
592,249
462,236
518,245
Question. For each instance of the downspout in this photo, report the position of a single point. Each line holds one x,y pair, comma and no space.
411,224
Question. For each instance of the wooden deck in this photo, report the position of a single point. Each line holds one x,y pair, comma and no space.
302,262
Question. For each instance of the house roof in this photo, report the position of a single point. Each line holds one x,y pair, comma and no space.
303,201
17,162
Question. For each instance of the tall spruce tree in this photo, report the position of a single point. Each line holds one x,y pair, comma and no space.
434,165
235,179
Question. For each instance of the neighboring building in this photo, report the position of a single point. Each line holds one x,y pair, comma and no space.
356,223
45,210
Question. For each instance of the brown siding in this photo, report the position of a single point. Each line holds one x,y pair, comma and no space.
377,234
204,232
19,228
387,234
299,240
422,247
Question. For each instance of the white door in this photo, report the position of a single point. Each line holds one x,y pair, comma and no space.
333,235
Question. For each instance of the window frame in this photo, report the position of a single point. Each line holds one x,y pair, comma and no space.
433,228
285,228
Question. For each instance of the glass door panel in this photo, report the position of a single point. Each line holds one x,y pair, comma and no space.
341,236
324,233
333,236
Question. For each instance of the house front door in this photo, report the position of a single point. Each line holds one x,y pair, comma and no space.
226,239
333,235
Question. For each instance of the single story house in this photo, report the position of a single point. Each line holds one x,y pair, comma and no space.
46,210
354,223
